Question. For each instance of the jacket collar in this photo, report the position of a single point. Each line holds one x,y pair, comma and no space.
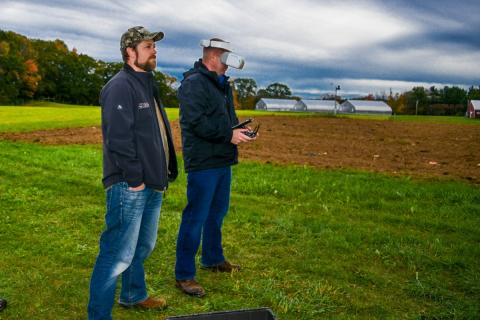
145,78
199,67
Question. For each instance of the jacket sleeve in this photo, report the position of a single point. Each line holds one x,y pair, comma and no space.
118,121
194,111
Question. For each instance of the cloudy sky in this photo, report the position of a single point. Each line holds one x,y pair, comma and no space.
365,46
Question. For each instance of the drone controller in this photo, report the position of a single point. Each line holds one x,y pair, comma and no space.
252,133
249,133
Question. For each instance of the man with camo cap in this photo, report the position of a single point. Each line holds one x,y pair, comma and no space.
138,163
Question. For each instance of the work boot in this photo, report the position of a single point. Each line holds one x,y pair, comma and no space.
191,287
225,266
149,303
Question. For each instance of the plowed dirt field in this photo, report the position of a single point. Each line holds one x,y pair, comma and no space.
449,151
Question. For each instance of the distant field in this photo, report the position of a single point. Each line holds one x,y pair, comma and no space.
55,116
41,115
427,119
25,118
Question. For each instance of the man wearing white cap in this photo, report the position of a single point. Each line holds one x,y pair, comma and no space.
209,142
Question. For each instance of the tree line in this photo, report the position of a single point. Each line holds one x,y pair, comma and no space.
32,69
433,101
48,70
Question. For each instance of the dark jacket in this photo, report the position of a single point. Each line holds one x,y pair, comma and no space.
206,119
132,146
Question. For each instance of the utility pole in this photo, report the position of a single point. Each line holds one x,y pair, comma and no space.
416,107
335,108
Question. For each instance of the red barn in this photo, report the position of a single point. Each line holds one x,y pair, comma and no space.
473,109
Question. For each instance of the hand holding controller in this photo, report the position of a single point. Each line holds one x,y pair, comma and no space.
241,133
249,133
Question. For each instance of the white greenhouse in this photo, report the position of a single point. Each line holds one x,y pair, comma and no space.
321,105
365,107
280,105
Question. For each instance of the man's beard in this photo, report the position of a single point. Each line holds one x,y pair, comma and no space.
147,66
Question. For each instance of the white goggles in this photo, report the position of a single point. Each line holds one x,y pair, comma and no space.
232,60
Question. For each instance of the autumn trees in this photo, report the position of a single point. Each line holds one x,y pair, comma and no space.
433,101
48,70
18,68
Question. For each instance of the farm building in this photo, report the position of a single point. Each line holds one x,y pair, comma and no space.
473,109
365,107
321,105
280,105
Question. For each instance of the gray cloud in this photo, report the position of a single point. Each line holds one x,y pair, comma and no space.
307,44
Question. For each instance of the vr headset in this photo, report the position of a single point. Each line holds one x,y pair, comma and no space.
229,58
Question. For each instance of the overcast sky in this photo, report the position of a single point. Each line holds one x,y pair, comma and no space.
311,45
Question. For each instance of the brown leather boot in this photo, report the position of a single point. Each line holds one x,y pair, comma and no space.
225,266
191,287
149,303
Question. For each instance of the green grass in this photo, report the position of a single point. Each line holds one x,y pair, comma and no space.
410,118
16,119
406,118
41,115
313,244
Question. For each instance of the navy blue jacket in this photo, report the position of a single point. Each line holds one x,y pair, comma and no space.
207,115
132,146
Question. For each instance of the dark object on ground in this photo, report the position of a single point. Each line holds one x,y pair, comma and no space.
3,304
252,314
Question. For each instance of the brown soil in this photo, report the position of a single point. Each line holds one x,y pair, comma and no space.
418,149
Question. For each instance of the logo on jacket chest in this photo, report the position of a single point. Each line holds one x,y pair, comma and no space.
143,105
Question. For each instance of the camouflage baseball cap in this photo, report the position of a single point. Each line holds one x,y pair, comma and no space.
137,34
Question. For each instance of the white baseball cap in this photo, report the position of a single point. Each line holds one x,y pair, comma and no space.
217,43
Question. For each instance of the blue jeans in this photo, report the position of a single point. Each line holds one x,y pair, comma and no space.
208,196
132,223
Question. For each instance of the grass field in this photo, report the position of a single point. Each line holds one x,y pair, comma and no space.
413,118
313,243
41,115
